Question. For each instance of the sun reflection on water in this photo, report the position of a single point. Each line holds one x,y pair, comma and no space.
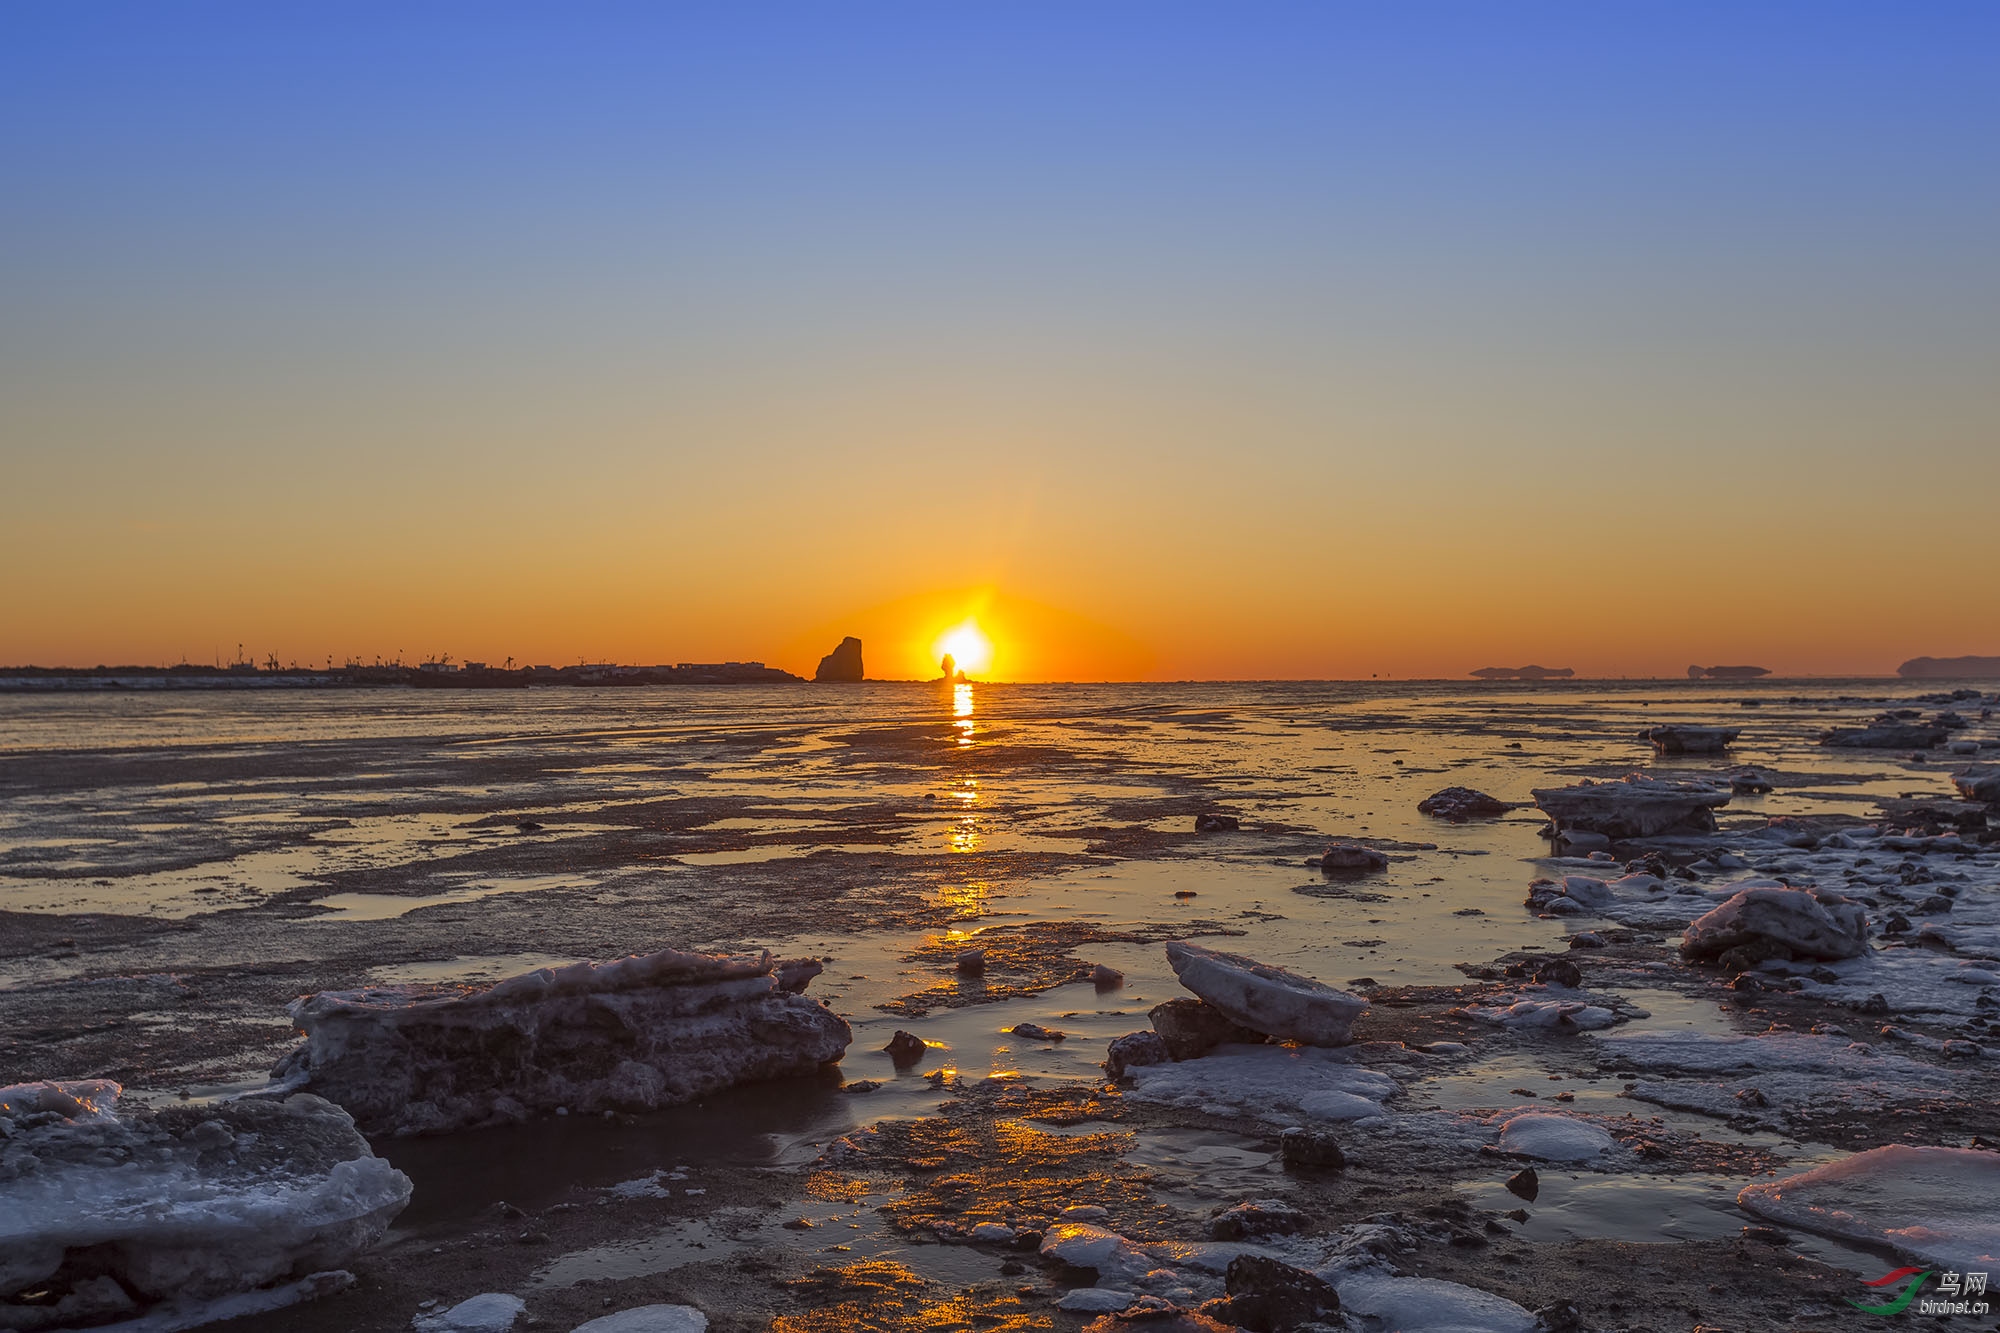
961,711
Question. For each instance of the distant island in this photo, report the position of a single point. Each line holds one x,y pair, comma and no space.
1525,673
1727,672
1950,668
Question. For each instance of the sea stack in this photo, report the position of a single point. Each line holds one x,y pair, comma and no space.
843,663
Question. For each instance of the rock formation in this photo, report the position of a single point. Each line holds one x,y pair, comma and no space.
1691,740
1267,999
843,663
107,1214
1525,673
1727,672
1459,804
1950,668
632,1035
1638,807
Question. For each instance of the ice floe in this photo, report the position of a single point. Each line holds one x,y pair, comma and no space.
1267,999
181,1206
1934,1206
632,1035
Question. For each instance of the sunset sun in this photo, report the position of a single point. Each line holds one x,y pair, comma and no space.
968,646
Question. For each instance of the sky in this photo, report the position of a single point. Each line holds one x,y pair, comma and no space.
1171,341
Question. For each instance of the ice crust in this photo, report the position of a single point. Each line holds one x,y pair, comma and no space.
1281,1085
1934,1206
631,1035
189,1203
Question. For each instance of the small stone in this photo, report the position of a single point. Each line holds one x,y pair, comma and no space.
971,963
1525,1184
1036,1032
1215,823
1106,977
905,1049
1193,1028
1265,1293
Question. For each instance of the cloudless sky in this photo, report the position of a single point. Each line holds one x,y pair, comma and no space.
1228,340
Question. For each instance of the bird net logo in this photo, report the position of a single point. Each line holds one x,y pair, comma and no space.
1956,1293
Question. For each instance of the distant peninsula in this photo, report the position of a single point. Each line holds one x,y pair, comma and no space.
1727,672
1525,673
1950,668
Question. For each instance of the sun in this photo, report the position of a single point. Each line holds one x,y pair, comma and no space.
968,646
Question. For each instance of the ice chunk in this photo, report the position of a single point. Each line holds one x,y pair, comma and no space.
1267,999
1280,1085
1096,1300
649,1319
1805,923
1553,1138
1427,1305
632,1035
488,1312
183,1205
1934,1206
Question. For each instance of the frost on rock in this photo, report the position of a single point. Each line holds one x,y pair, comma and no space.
153,1213
1267,999
1933,1206
1426,1305
632,1035
1728,1074
1637,807
1280,1085
1552,1138
1793,923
